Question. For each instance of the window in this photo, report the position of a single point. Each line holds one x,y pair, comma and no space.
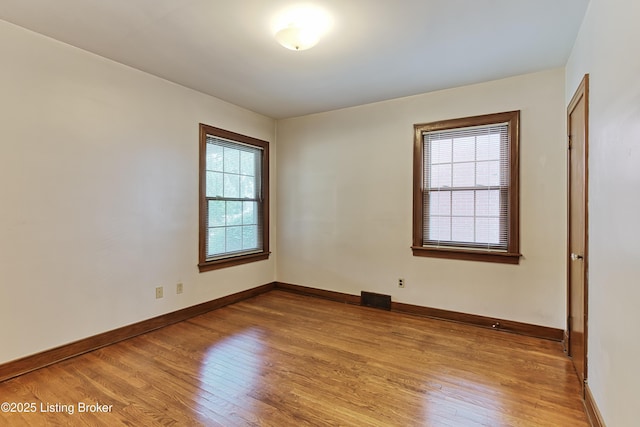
234,199
465,188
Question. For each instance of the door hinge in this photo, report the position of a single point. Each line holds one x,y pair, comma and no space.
569,143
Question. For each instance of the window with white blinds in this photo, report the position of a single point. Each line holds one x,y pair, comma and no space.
468,186
233,202
234,198
466,182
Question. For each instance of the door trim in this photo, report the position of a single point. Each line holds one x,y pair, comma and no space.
582,92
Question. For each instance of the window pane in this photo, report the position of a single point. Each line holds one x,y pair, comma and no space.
249,237
216,213
234,213
249,213
216,241
464,174
214,157
231,185
464,149
231,160
488,147
462,229
441,151
488,230
214,184
247,163
462,203
247,187
440,203
488,203
441,176
488,173
439,228
234,239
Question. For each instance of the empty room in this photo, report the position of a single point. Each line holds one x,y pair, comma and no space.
341,213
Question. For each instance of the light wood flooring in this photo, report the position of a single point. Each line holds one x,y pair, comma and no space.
283,359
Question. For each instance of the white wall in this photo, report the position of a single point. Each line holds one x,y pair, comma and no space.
345,203
99,194
607,49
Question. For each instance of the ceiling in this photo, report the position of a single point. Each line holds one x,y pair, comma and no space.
375,50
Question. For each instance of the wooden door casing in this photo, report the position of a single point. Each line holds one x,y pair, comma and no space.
577,229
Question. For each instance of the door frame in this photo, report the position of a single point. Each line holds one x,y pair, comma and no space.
581,92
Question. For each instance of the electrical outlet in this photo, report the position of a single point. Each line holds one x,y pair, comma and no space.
159,293
401,283
179,288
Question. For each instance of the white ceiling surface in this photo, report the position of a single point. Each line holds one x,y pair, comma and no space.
375,50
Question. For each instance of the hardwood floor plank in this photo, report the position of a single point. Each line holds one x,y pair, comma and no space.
284,359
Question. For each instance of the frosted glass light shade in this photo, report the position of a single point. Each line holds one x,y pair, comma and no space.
297,38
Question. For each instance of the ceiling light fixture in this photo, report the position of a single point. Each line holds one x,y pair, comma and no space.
300,27
297,38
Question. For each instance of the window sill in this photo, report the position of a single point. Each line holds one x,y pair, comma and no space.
230,262
467,255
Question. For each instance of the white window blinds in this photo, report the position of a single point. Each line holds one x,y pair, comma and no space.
234,199
466,187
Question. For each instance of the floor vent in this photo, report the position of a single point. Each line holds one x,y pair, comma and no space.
371,299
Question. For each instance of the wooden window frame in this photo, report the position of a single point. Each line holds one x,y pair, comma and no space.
512,254
205,264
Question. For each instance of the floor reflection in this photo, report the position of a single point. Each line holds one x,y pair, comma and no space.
229,374
462,399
